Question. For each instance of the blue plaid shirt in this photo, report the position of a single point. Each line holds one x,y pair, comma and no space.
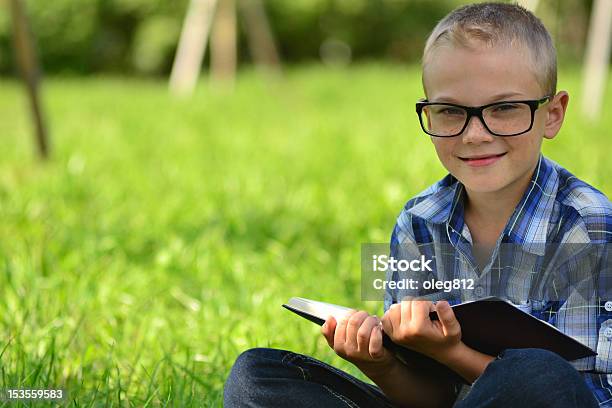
556,208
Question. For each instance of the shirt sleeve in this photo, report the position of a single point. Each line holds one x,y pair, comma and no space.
603,362
583,307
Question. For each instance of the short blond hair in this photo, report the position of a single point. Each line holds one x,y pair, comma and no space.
498,25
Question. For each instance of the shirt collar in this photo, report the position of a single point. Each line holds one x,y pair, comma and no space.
438,206
528,225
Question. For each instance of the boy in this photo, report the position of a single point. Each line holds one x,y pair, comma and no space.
489,75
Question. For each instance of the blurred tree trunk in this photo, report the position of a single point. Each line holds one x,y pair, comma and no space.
223,43
259,35
597,58
192,46
28,67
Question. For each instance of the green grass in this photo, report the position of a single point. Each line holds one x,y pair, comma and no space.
161,239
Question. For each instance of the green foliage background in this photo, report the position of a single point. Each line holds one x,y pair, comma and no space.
163,236
140,36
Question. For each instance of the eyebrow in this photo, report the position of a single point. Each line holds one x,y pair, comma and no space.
494,98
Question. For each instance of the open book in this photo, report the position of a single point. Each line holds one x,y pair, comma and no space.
488,325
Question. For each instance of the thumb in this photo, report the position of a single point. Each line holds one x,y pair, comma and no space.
328,330
447,318
376,342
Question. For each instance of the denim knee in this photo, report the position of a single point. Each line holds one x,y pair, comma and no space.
251,360
540,375
530,366
250,364
250,368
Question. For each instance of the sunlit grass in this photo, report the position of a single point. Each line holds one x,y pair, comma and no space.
162,237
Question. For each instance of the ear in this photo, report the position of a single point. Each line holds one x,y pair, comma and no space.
555,113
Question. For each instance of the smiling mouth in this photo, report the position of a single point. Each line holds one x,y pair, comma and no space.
482,160
481,157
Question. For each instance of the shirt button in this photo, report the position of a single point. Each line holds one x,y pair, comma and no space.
608,306
608,332
480,291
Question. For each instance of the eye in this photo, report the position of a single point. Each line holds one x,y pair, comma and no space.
450,111
505,107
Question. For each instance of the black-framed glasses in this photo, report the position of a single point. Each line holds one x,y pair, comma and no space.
504,118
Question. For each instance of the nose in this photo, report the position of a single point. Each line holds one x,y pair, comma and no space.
475,132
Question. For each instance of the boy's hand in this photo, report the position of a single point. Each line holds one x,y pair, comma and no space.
408,324
358,338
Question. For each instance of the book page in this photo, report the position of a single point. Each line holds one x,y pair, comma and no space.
321,310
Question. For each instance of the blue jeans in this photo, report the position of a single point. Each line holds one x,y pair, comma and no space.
264,377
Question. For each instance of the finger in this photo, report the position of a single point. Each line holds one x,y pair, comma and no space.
386,324
340,334
450,324
420,313
406,312
353,325
376,342
328,329
396,316
365,331
391,319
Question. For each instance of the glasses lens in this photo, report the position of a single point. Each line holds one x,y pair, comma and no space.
508,118
443,120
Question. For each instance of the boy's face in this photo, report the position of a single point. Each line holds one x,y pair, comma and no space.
479,76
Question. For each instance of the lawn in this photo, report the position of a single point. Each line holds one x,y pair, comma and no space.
163,236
